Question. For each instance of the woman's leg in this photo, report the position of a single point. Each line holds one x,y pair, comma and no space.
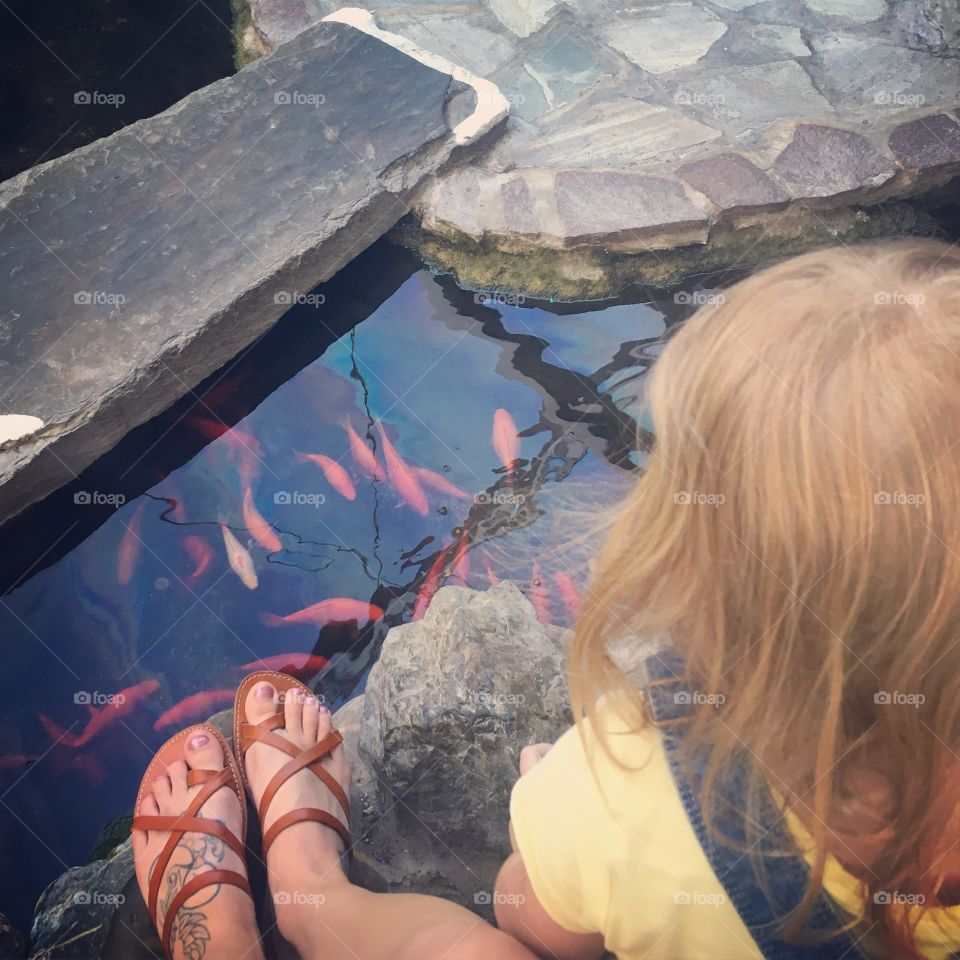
318,910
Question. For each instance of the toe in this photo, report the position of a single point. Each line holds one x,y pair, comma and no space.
262,702
177,774
204,752
311,718
293,713
163,791
324,723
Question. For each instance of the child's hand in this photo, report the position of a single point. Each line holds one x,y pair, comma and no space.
530,756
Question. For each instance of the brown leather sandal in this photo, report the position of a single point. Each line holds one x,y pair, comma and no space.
190,822
245,734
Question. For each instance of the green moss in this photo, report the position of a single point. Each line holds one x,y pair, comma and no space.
242,19
508,266
113,835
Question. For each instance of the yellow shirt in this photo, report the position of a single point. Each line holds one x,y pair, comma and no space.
626,863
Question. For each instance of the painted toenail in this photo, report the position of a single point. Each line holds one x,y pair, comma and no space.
324,709
265,691
200,740
311,700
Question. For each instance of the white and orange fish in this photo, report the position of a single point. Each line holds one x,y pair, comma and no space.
569,593
401,477
430,586
241,563
197,704
200,554
334,610
539,595
439,483
337,477
506,442
362,455
129,549
260,530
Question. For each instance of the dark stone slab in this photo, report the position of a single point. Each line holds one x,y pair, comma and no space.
731,181
519,215
618,206
135,267
824,161
926,143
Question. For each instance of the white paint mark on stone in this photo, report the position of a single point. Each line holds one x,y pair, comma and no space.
492,105
13,426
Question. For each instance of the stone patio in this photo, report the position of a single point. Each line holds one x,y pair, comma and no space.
642,127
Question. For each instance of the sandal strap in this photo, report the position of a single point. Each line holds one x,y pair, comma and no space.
308,758
303,815
258,734
251,733
208,879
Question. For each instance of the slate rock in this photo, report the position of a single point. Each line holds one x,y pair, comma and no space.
12,944
730,181
824,161
927,143
277,21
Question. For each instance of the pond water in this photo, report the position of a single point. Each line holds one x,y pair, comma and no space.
465,439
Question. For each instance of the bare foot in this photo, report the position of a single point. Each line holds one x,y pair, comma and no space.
217,921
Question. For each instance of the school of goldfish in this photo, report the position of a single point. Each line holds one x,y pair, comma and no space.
409,482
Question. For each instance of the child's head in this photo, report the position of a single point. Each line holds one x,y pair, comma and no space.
797,530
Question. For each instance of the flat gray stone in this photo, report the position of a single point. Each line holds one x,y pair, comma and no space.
523,17
519,209
277,21
824,161
663,37
731,181
929,142
622,207
565,67
860,11
138,265
752,43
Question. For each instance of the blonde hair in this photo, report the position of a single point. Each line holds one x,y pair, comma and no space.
796,534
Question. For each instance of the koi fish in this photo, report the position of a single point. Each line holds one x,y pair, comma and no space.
121,705
539,596
199,552
337,477
430,586
237,438
362,455
197,703
461,560
129,548
241,563
90,766
294,664
491,576
336,609
260,530
12,761
569,593
506,442
402,479
439,483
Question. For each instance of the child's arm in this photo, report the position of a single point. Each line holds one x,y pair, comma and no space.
521,914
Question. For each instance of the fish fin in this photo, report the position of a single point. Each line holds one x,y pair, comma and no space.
56,732
271,620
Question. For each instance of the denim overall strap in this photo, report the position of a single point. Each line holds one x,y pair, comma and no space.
670,702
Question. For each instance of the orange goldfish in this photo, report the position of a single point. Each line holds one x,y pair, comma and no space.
439,483
120,705
430,586
200,554
363,456
461,560
401,477
196,704
12,761
260,530
569,593
294,664
237,438
337,477
505,439
539,595
336,610
129,548
241,563
491,576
